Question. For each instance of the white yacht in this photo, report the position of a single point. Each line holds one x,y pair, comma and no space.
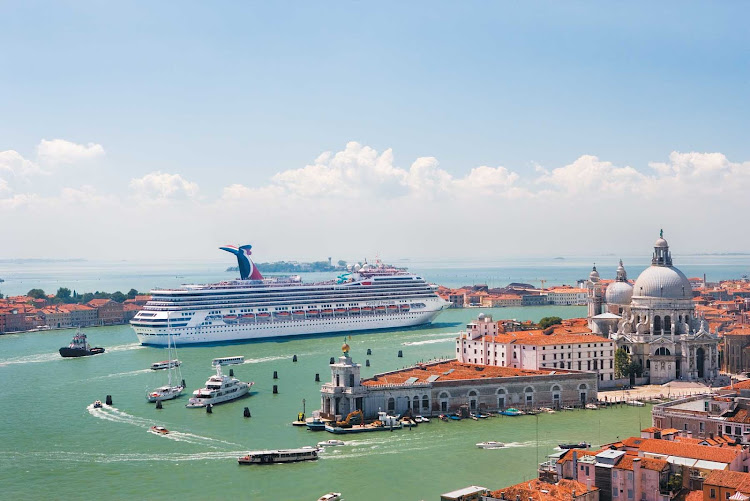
175,384
331,443
219,388
371,297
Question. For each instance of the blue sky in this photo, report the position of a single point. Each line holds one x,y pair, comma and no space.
231,93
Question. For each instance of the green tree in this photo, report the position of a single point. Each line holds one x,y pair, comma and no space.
37,294
341,263
118,296
622,359
1,295
548,321
86,297
132,293
634,368
64,294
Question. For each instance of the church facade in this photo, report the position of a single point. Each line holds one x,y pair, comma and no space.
654,320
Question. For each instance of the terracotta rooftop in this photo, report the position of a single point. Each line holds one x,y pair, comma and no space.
565,335
731,479
704,452
537,490
626,463
694,496
459,371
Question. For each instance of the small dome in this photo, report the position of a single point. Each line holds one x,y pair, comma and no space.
663,282
594,275
345,348
481,316
661,243
619,293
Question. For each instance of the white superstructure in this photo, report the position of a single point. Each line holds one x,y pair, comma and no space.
374,297
219,388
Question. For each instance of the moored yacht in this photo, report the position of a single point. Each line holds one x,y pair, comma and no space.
219,389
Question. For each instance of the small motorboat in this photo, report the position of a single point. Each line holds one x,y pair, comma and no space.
454,417
97,404
165,364
579,445
331,496
490,445
511,411
443,417
160,430
421,419
331,443
592,407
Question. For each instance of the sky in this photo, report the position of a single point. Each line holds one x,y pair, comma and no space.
425,130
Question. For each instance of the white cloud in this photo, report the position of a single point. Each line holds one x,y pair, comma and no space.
159,186
14,164
591,176
60,151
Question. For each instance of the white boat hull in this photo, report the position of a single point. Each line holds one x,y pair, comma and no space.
221,332
242,390
157,396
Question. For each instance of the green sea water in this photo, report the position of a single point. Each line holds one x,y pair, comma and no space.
53,445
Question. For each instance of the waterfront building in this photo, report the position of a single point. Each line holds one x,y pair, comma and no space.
81,315
108,312
656,322
447,386
567,296
55,317
569,346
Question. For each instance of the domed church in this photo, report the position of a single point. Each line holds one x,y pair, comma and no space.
654,320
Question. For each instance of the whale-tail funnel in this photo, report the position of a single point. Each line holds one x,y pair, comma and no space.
246,265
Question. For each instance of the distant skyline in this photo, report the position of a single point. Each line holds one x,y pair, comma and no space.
425,130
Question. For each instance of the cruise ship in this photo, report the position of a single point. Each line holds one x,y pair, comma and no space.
373,296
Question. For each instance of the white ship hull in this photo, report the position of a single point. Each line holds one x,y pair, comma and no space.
219,332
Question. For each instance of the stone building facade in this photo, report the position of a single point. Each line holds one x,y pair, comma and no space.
656,321
445,387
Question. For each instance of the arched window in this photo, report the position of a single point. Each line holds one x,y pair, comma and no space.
555,395
351,380
667,323
501,398
657,324
338,380
529,394
391,404
444,396
415,404
425,402
662,352
555,388
583,386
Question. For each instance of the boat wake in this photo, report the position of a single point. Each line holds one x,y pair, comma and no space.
450,338
115,415
31,359
124,347
121,374
95,457
265,359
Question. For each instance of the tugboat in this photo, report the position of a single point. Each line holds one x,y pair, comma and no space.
78,347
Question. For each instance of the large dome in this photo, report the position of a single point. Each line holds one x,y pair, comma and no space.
619,293
663,282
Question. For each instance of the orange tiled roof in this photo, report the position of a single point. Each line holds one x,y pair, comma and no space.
705,452
730,479
626,463
536,490
461,371
96,303
564,335
694,496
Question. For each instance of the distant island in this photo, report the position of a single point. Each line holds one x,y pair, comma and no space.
297,267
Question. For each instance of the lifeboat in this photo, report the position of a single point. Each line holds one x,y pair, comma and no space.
282,313
327,312
312,312
367,309
339,311
380,309
392,307
404,307
298,312
354,310
230,319
247,317
263,316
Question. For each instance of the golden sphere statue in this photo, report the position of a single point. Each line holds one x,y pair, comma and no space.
345,348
